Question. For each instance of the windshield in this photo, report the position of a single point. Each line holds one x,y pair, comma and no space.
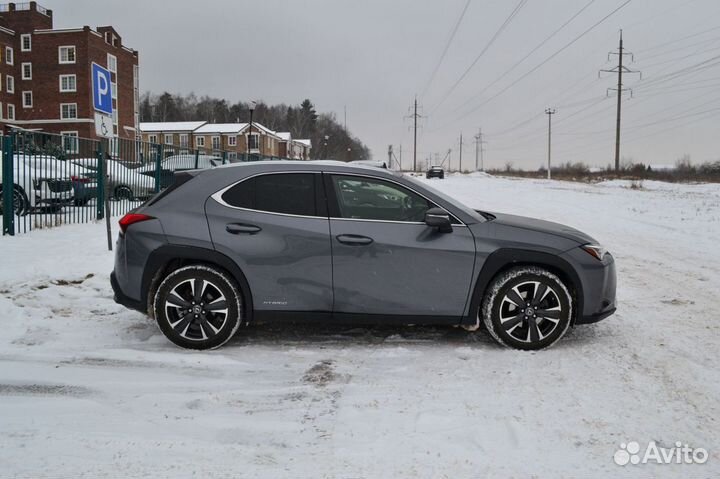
466,209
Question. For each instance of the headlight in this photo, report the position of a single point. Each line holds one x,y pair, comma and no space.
596,250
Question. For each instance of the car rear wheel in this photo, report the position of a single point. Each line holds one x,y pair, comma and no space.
198,307
123,192
527,308
21,205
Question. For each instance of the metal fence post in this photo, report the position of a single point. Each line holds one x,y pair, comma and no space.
197,158
224,157
8,185
158,167
100,200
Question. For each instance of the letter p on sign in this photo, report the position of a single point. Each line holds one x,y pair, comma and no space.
102,94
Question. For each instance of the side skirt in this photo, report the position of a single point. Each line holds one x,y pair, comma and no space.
351,318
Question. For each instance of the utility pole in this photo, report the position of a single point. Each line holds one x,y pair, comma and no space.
549,112
620,69
390,155
461,148
415,116
479,150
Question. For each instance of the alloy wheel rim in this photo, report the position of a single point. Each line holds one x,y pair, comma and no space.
530,311
196,309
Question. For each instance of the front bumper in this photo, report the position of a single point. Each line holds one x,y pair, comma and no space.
600,285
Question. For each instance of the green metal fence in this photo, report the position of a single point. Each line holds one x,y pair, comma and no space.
50,180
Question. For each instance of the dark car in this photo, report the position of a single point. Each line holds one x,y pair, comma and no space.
231,245
435,172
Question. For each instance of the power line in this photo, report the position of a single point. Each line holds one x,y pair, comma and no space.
495,36
531,52
533,70
445,50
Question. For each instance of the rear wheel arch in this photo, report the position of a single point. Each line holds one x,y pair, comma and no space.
169,258
504,259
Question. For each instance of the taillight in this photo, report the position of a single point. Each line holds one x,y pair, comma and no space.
132,218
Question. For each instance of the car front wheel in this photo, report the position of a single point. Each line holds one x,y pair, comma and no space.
527,308
198,307
21,204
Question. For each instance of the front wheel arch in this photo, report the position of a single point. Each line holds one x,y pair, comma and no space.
504,259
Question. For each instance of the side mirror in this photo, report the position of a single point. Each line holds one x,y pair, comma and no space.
438,218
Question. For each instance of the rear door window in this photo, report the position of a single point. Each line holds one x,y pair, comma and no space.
285,193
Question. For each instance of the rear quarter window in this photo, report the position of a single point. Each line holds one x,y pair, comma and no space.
285,193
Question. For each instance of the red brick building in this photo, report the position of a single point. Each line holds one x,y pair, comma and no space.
45,79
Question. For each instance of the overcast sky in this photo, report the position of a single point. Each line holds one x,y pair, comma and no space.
372,57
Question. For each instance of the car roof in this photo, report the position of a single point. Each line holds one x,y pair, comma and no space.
311,165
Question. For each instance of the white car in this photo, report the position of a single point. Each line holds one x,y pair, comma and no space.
39,181
123,182
184,162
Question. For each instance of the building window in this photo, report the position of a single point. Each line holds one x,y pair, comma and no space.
27,71
216,142
115,116
254,141
184,141
70,141
232,140
232,156
10,112
168,139
10,83
68,111
9,57
68,83
152,138
112,63
26,42
200,142
113,90
27,99
66,54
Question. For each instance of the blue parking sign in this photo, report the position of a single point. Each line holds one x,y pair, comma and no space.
102,89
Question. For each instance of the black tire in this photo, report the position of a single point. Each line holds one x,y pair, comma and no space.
123,192
21,203
183,315
542,318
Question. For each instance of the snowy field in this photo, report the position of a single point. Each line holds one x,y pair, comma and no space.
90,389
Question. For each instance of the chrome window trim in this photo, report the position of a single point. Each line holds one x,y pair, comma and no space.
217,196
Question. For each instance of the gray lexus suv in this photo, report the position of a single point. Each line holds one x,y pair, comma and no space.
228,246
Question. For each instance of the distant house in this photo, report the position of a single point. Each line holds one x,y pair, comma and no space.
173,134
301,149
236,140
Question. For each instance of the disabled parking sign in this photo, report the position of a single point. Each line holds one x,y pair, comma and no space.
102,90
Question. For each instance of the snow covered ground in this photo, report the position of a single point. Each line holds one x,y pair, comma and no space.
90,389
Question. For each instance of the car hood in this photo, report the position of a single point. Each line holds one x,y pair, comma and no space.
542,226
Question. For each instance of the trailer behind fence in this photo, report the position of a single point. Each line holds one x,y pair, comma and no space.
48,180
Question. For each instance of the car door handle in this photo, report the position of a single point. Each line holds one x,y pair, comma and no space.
237,228
354,240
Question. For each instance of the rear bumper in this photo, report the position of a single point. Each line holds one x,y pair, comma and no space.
122,298
594,318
